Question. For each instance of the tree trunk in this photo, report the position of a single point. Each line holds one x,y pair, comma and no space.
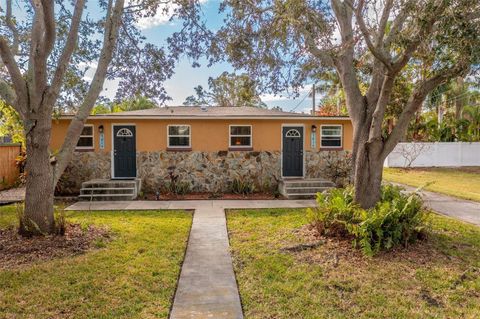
367,181
38,218
368,175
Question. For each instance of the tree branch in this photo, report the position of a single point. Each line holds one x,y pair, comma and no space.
19,83
49,22
112,24
375,49
67,52
13,28
415,102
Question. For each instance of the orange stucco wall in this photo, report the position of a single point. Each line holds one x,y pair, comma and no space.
207,135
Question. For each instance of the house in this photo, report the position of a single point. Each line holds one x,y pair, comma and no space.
208,147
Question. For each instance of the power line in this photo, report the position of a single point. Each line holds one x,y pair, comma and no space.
306,95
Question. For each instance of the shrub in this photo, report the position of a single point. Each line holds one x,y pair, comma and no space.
398,219
242,186
179,188
174,185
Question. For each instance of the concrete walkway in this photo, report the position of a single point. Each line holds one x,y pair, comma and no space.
207,287
462,209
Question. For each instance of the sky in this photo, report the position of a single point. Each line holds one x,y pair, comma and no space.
181,85
158,28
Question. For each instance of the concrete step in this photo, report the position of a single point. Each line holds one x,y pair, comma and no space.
303,188
109,184
108,190
106,197
104,189
308,190
302,196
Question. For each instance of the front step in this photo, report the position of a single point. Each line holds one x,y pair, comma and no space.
110,190
303,188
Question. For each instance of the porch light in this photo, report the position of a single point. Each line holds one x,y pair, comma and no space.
100,129
314,128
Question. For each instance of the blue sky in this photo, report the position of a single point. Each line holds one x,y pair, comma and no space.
157,29
181,85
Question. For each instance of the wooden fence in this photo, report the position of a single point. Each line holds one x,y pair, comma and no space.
8,170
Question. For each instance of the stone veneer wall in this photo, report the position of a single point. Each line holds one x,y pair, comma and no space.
205,171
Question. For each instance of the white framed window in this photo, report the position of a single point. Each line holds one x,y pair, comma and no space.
240,136
179,136
331,136
85,142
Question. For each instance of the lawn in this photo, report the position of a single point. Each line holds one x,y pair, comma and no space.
132,276
437,278
459,182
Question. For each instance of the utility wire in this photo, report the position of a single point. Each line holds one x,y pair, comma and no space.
298,104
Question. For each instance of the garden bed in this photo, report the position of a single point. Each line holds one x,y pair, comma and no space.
201,196
16,250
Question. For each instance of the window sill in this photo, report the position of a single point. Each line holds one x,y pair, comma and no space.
179,149
246,148
331,148
85,150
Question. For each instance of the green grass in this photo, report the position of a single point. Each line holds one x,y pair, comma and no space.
459,182
134,276
439,278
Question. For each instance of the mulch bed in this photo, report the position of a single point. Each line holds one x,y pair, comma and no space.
16,250
198,196
331,251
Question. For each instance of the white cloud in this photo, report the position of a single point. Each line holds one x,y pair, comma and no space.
162,16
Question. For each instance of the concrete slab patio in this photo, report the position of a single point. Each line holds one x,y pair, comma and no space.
207,287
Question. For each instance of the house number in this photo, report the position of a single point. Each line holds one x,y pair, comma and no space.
102,141
313,140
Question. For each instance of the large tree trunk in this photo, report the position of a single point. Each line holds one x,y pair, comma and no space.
368,169
367,179
38,215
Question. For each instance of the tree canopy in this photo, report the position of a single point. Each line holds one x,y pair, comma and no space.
375,47
227,90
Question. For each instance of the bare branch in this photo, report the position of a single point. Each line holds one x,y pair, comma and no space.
49,21
13,28
68,50
112,24
375,49
19,83
415,102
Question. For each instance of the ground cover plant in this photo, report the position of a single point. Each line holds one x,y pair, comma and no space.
397,219
462,182
285,270
133,274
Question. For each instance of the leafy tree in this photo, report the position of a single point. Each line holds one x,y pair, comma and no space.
227,90
282,43
132,104
46,48
10,124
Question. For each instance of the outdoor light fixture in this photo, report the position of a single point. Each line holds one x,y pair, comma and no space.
314,128
100,129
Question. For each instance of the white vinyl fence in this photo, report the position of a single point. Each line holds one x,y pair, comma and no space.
436,154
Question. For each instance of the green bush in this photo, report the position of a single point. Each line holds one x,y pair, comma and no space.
398,219
242,186
179,187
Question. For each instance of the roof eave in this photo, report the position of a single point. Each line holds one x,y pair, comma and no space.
210,117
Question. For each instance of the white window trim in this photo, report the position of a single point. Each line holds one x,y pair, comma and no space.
230,136
189,136
92,136
341,135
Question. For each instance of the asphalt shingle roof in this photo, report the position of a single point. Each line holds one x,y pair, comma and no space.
212,111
